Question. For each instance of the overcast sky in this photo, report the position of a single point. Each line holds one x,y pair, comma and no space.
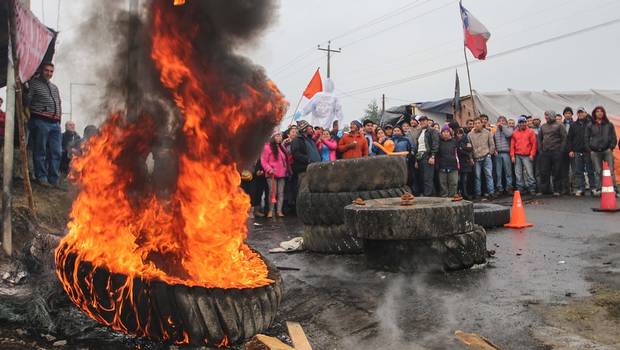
385,41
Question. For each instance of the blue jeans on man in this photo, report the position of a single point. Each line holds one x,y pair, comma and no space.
583,165
597,163
524,172
47,150
503,170
485,164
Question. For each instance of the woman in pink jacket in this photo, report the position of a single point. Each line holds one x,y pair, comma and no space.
327,146
276,168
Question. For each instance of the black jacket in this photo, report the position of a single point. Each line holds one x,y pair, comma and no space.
577,136
301,155
601,137
465,158
448,154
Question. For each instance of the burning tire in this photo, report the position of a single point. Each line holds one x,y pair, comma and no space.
334,239
328,208
362,174
446,253
491,215
173,314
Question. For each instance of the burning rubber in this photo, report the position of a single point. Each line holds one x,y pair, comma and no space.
161,254
418,235
175,314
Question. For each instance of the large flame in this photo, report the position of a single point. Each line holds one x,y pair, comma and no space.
195,236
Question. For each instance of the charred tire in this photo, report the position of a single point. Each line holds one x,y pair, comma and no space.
172,313
335,239
448,253
491,215
427,218
362,174
328,208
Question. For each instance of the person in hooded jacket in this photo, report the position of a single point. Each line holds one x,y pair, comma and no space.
466,162
601,140
448,163
275,165
401,142
578,151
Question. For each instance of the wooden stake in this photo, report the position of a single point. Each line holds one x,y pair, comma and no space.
300,342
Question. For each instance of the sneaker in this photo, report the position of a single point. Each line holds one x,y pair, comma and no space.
596,193
578,193
556,194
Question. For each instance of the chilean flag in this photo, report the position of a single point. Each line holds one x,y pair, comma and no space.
476,34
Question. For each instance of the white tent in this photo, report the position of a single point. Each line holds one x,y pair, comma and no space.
513,103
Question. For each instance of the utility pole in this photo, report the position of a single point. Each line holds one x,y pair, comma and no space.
383,104
329,56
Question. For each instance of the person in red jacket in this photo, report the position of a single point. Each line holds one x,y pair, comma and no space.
353,144
523,148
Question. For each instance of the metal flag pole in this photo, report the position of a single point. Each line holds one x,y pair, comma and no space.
471,92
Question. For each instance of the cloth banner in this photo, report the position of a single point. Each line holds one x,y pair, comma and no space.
32,41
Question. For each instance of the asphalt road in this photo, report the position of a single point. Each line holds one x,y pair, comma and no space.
343,305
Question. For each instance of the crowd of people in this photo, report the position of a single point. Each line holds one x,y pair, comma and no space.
477,161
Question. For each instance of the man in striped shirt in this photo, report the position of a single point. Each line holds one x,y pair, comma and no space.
43,99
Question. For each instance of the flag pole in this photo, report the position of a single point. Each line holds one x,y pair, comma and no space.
296,109
471,92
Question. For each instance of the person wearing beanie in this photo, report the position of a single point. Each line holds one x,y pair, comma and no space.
552,141
354,144
304,153
578,152
448,163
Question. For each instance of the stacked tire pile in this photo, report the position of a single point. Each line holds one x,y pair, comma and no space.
334,185
426,235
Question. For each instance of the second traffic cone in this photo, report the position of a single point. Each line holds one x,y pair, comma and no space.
518,219
608,193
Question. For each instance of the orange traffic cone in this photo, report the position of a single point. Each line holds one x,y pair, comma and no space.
608,193
518,219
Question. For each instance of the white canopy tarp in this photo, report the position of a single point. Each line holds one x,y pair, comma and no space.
513,103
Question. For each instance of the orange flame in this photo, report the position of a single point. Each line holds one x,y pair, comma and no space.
202,227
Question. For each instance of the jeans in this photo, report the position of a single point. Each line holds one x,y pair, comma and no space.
487,165
503,170
47,149
448,182
464,183
567,179
550,167
583,165
276,185
597,162
524,171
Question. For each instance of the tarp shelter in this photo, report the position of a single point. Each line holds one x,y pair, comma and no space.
396,115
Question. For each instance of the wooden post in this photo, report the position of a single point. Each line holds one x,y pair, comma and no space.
7,176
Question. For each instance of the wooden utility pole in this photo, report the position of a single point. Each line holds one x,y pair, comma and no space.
382,103
329,56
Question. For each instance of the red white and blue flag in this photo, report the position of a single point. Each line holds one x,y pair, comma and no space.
476,34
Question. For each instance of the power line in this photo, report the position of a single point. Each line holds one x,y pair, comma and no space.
379,19
399,24
504,53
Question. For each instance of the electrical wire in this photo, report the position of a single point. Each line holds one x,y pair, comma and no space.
500,54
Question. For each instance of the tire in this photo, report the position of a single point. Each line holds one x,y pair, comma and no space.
170,313
335,239
448,253
491,215
328,208
427,218
362,174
